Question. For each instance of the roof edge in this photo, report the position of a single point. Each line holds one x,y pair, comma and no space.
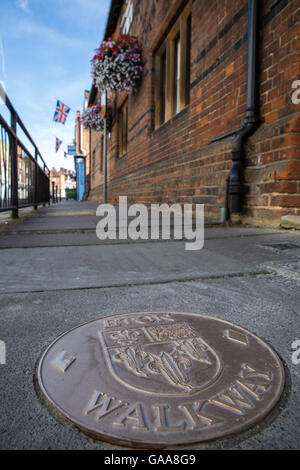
113,16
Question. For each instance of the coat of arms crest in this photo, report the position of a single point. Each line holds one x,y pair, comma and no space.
167,358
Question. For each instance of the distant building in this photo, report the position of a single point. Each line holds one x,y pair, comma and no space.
63,179
178,138
25,177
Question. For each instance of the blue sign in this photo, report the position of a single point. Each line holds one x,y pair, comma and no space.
80,172
71,149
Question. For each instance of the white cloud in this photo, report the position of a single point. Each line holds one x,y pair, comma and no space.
80,12
46,33
89,7
23,4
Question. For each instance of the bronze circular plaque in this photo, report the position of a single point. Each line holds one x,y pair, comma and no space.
161,379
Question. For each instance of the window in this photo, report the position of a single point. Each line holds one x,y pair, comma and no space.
177,75
163,63
102,154
172,69
127,17
93,160
123,130
188,58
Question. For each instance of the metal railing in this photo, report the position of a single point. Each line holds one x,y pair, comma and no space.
24,176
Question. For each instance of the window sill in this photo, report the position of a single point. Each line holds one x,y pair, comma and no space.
121,157
172,119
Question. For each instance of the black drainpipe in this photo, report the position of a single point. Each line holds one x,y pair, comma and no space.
235,188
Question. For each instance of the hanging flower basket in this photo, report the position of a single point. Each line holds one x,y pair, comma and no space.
117,64
92,118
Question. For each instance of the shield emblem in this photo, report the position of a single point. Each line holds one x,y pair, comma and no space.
161,359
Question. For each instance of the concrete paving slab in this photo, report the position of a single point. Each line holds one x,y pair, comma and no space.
58,223
75,237
42,269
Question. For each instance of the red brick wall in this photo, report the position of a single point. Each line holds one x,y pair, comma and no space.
177,162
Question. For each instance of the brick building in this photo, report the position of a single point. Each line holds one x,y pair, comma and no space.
63,179
206,124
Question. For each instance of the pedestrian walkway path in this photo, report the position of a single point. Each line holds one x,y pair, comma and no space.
63,252
56,274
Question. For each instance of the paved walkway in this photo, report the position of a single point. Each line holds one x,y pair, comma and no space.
56,274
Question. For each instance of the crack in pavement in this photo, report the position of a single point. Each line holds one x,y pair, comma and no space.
143,283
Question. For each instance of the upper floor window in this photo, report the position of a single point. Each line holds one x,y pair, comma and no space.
177,74
172,69
102,153
127,17
93,161
123,130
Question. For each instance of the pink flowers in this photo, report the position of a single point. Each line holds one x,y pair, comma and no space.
117,64
91,118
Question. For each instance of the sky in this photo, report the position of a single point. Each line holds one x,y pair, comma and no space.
45,51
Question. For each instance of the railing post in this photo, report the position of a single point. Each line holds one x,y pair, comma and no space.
48,190
36,180
14,167
53,196
39,188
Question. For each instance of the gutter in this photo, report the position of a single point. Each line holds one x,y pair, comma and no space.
235,188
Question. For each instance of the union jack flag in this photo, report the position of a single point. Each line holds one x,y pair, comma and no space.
57,144
61,112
